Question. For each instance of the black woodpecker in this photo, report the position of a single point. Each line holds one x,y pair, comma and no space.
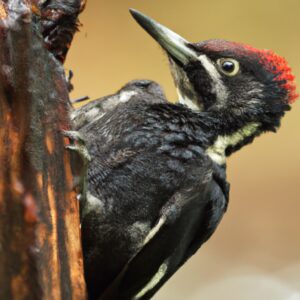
156,184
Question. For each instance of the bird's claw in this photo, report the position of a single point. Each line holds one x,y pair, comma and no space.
77,144
80,159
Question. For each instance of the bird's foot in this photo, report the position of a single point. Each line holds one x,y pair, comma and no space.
80,159
77,144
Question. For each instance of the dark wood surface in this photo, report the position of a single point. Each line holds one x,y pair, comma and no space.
40,249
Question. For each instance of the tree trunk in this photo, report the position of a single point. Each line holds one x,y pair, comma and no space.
40,249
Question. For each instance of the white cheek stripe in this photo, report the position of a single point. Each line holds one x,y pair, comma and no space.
186,101
220,89
217,151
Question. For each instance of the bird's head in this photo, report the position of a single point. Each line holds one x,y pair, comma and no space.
241,84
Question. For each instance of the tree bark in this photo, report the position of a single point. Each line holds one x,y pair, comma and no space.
40,248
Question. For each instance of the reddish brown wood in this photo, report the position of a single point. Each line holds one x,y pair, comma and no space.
40,250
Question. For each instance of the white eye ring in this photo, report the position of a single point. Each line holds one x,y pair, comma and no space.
228,66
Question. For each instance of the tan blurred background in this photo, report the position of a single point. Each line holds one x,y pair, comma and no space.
255,253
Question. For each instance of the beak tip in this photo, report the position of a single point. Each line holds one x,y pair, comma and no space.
135,13
132,11
144,21
170,41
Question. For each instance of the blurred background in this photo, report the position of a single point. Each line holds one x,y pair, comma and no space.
255,253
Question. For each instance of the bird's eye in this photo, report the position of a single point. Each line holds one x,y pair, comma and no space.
228,66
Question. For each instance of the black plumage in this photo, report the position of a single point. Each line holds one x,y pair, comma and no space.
147,161
156,180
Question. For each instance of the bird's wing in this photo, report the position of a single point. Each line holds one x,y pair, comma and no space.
186,222
145,90
93,110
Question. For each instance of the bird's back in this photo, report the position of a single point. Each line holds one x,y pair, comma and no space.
143,153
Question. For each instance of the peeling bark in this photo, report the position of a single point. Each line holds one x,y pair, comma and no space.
40,249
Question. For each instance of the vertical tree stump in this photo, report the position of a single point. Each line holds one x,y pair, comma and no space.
40,249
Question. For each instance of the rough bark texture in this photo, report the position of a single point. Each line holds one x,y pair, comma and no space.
59,23
40,250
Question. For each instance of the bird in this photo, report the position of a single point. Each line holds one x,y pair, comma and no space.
96,109
156,179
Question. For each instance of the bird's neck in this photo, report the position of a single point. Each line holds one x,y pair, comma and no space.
224,144
225,136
